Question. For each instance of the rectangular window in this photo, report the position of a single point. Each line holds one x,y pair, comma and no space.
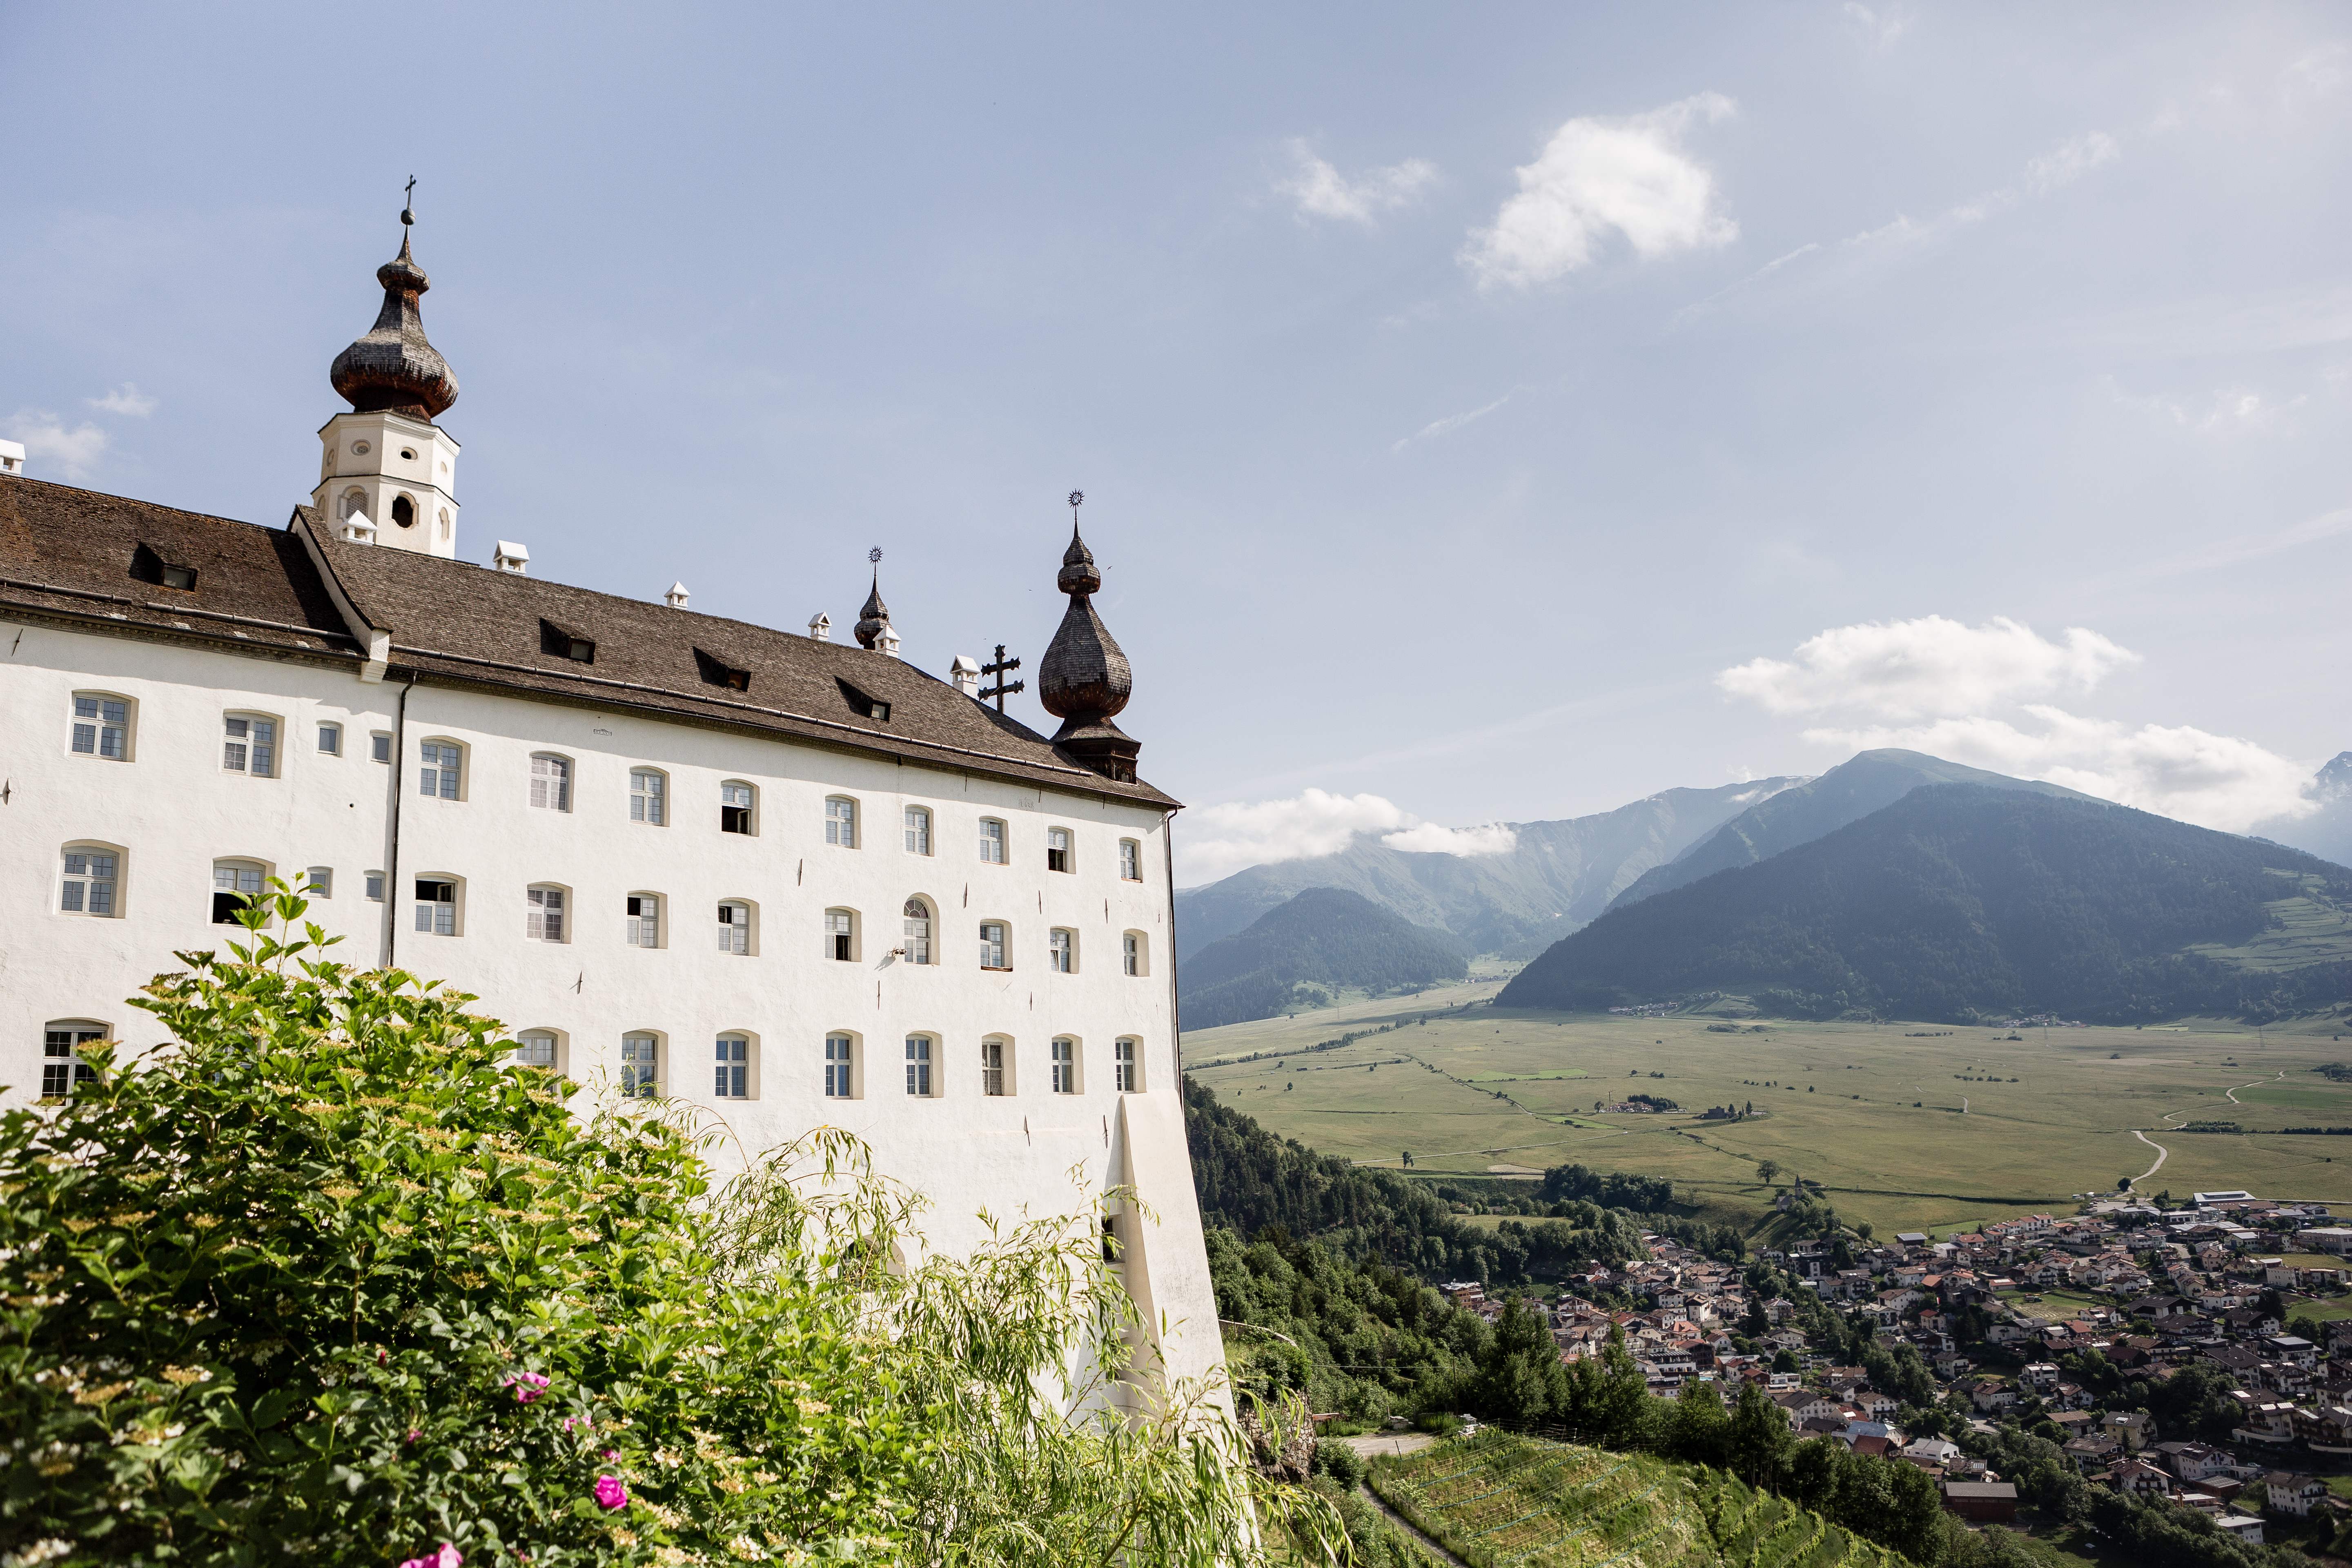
88,883
543,914
841,823
838,934
61,1065
99,725
1134,953
319,882
734,1068
734,808
436,774
1066,1066
918,831
644,921
330,739
375,886
646,787
250,747
1130,860
836,1066
992,945
380,748
1122,1057
991,1068
991,842
1057,849
436,906
919,1065
640,1067
735,930
234,884
533,1048
1059,951
551,783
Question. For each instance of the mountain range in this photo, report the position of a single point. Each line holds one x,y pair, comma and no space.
1322,941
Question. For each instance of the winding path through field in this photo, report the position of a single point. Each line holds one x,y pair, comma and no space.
2231,1094
2162,1155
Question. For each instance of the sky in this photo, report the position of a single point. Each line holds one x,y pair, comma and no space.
1486,414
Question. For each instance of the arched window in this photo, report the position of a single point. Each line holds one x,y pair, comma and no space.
996,1066
735,1058
250,744
919,830
994,952
550,782
543,910
1135,952
1059,854
101,726
92,884
917,916
919,1065
354,503
404,511
1061,951
644,921
235,883
640,1065
1130,860
840,1066
649,795
735,928
841,821
735,802
542,1048
62,1069
841,935
436,905
440,769
1127,1065
1065,1064
991,841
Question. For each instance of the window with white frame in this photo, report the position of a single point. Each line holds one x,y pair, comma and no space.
91,881
917,916
1130,860
734,1067
994,1076
235,884
1058,857
649,795
249,745
735,807
841,821
436,906
550,782
1127,1066
841,935
735,928
533,1048
62,1069
840,1059
919,1065
640,1066
1133,955
375,886
919,830
1061,951
330,739
543,918
319,882
380,747
101,726
643,927
994,954
991,841
438,768
1066,1064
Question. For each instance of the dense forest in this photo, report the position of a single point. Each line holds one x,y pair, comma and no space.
1300,952
1959,902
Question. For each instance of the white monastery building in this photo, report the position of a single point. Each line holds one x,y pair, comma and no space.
792,881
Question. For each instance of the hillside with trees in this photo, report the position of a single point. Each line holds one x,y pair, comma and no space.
1960,902
1302,953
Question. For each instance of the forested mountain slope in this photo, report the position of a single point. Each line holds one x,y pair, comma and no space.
1959,902
1299,954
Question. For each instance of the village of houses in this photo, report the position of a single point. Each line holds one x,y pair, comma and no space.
2176,1287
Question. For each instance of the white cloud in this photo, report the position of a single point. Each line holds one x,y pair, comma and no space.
2233,411
2229,552
124,399
1494,839
2319,72
1879,28
73,453
1321,191
1924,668
1450,423
2216,781
1626,175
2070,161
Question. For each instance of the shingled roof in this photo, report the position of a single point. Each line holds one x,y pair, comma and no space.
75,554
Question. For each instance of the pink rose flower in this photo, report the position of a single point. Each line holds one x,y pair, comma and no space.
447,1557
527,1385
611,1494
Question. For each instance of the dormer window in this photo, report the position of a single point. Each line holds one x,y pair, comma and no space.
715,672
864,704
181,577
559,641
148,565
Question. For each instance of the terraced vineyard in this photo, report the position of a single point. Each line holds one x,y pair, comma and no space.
1504,1501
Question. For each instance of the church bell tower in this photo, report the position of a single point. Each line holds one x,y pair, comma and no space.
387,473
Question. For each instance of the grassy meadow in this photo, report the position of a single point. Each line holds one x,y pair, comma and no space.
1910,1126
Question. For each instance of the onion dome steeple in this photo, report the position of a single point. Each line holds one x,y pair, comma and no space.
394,369
1084,679
874,629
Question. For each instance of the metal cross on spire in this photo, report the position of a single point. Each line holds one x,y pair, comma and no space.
408,201
1078,500
1002,667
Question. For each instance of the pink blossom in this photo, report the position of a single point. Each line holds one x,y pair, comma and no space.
447,1557
612,1456
611,1494
527,1385
414,1434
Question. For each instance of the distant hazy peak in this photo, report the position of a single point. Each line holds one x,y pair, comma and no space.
2334,782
